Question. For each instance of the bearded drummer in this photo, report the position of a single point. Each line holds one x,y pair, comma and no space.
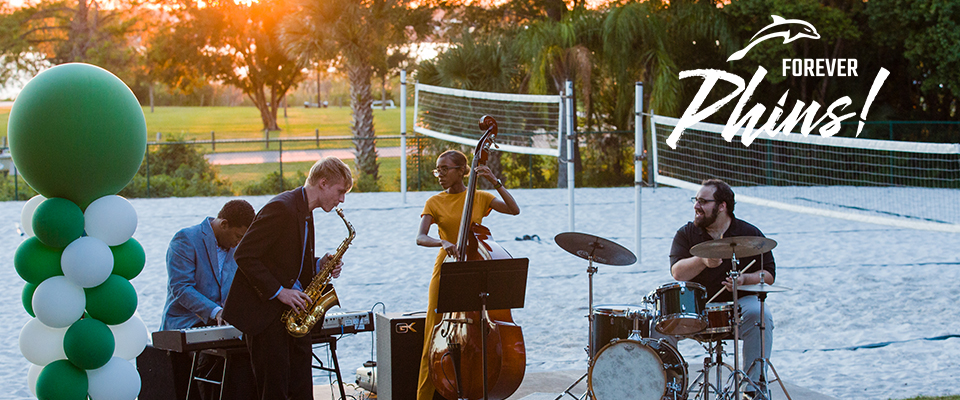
713,206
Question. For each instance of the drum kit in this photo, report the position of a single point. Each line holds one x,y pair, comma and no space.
626,362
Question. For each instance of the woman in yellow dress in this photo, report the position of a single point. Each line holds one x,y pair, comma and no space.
445,209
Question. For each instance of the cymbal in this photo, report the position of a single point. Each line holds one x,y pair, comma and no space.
763,288
744,246
603,251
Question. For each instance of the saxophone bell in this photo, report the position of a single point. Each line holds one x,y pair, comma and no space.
322,294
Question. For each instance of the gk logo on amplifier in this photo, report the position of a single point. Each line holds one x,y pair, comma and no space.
406,328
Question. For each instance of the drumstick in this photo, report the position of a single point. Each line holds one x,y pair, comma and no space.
725,288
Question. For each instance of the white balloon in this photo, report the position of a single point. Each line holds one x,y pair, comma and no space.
111,219
58,303
87,261
131,338
32,376
41,344
26,215
117,380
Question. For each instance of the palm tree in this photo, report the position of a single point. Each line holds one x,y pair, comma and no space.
487,64
644,41
561,51
355,32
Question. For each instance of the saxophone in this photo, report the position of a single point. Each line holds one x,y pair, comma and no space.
322,295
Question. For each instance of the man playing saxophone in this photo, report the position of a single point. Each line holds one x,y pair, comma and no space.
276,261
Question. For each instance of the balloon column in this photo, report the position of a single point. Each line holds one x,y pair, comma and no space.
77,136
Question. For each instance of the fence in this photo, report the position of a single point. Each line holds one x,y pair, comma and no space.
266,156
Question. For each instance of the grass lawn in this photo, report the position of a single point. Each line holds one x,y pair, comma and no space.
244,122
197,123
244,174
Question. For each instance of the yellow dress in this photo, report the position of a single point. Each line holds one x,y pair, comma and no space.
446,210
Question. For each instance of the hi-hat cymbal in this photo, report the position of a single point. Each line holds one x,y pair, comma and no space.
763,288
743,246
589,246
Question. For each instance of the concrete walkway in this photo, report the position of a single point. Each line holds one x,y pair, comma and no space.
550,385
272,156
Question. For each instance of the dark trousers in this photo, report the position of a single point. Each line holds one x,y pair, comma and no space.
282,364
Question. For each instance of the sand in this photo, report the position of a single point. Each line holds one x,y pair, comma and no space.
854,284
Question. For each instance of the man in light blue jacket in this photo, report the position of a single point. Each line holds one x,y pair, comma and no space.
200,270
200,267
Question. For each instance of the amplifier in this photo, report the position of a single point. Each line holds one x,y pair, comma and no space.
399,348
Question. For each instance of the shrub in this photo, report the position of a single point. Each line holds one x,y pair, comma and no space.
271,184
7,186
176,169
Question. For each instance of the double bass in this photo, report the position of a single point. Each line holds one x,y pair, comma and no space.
456,362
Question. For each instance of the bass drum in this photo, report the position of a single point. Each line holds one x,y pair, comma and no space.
645,369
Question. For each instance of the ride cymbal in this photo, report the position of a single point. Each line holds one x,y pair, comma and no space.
603,251
743,246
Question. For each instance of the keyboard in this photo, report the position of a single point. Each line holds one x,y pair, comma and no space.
227,336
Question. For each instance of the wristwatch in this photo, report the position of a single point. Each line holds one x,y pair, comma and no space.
498,185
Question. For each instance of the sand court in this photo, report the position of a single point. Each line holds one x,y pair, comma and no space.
872,313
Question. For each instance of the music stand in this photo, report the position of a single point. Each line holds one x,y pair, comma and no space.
479,286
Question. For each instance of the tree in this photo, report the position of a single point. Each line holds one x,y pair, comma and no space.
488,64
237,44
561,51
54,32
921,42
355,32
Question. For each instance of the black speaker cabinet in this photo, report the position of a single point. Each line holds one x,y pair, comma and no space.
164,374
399,347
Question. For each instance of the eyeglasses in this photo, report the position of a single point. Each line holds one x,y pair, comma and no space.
697,200
442,170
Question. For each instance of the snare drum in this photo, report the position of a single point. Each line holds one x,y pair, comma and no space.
680,308
613,321
644,369
719,323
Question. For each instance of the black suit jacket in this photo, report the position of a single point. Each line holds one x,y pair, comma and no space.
276,250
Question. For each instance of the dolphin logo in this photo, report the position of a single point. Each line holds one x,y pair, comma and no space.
779,28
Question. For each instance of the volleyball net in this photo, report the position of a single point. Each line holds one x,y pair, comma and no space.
903,184
526,124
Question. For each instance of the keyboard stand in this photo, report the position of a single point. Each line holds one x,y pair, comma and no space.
331,343
226,354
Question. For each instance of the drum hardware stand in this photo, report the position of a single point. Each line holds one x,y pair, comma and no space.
592,248
738,374
590,350
710,362
720,248
764,361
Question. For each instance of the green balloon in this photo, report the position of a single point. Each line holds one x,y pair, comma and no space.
35,261
57,222
77,131
113,302
128,259
61,380
26,297
88,343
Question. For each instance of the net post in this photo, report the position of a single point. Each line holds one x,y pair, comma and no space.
638,161
569,143
654,143
403,136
